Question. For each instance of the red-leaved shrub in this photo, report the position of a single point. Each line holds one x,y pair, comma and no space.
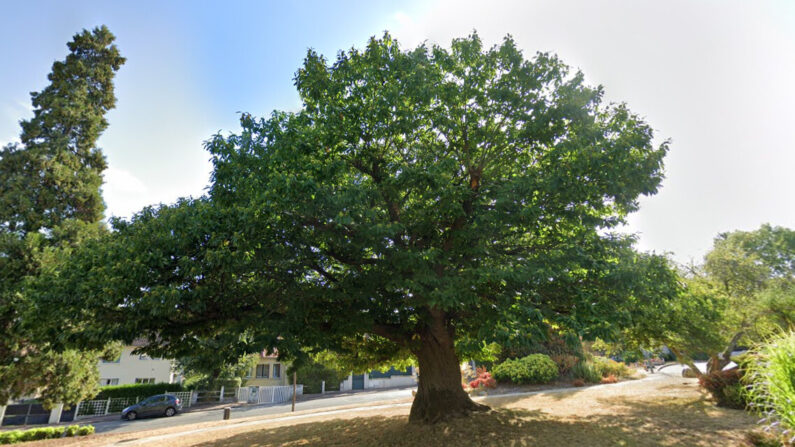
483,379
609,379
725,387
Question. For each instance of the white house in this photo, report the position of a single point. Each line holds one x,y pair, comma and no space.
136,368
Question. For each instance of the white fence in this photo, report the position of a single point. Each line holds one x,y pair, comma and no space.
188,398
267,394
254,394
104,407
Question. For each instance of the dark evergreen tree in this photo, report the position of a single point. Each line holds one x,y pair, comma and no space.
50,200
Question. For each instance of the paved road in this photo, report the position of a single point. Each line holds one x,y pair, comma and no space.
361,397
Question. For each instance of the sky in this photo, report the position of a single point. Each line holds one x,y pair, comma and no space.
716,78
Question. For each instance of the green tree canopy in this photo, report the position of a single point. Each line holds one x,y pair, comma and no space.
417,199
743,293
49,202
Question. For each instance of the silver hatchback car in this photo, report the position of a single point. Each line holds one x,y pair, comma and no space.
160,405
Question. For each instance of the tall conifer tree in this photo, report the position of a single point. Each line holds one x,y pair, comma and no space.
50,200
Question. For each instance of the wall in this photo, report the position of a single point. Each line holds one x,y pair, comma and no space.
131,367
383,382
394,381
271,381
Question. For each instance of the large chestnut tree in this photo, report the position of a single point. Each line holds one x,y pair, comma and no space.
419,203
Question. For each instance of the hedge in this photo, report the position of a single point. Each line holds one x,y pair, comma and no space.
535,368
141,390
312,374
35,434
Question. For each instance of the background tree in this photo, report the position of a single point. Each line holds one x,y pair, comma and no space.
743,293
49,202
418,199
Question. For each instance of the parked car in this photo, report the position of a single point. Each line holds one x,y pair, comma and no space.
160,405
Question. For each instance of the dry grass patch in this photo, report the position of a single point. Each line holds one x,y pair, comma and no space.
669,412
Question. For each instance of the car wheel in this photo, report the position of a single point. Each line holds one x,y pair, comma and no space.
131,416
170,412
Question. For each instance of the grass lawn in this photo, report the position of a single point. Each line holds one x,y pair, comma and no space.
658,412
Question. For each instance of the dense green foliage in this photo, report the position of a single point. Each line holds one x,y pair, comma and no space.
35,434
419,201
744,291
207,370
770,376
534,368
140,390
606,367
49,203
587,372
312,374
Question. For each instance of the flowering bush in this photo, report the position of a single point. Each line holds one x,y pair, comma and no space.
483,380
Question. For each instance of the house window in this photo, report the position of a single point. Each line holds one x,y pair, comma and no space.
277,370
145,380
262,371
106,382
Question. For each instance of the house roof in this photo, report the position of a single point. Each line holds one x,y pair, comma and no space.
266,355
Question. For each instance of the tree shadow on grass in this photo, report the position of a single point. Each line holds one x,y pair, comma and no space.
676,422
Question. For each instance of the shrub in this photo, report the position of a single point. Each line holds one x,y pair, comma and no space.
586,372
137,390
72,430
483,380
535,368
762,439
565,362
724,386
34,434
578,382
606,367
86,430
631,356
771,382
10,437
609,379
312,375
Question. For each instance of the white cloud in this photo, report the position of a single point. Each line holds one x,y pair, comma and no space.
124,193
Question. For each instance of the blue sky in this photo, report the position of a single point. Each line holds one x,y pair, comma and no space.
716,77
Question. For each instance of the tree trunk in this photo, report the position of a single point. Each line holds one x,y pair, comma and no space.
439,393
719,361
686,361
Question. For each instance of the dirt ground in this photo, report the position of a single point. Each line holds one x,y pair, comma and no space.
660,412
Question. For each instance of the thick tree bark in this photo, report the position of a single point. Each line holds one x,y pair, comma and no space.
439,394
